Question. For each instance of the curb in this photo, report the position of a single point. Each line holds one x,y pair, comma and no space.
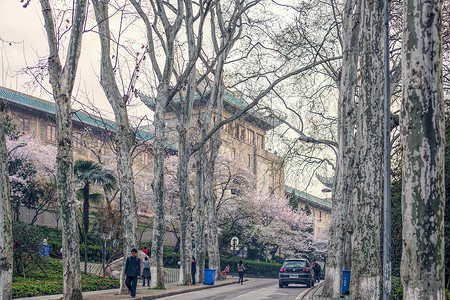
193,289
304,293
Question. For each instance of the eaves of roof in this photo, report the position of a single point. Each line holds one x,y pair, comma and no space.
307,196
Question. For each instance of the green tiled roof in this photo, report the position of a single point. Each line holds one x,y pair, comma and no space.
307,196
230,99
48,107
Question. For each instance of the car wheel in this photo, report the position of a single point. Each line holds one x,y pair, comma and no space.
313,283
308,285
280,285
286,284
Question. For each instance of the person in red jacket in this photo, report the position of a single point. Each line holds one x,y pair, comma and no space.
145,251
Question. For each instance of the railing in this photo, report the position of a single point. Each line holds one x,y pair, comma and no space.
171,275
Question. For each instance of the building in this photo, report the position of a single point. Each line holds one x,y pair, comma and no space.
93,139
320,209
242,140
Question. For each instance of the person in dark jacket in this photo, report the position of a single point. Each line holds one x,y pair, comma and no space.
193,270
132,272
317,269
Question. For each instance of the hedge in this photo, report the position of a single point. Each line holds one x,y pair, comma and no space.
94,252
255,268
37,283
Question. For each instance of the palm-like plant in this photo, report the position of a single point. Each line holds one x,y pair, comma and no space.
90,173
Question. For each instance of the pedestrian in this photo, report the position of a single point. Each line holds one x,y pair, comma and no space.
45,241
146,271
145,251
241,269
132,272
193,270
317,269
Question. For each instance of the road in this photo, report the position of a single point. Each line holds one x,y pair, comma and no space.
253,289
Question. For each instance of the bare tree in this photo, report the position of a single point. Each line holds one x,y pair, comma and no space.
6,242
366,206
62,78
165,91
423,140
124,135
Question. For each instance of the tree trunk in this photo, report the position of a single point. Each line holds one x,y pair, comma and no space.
159,192
62,79
124,136
212,229
423,141
200,218
366,277
343,180
6,242
185,209
85,221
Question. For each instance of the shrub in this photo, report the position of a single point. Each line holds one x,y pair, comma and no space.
37,283
27,240
256,268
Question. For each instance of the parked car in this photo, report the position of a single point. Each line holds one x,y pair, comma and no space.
296,271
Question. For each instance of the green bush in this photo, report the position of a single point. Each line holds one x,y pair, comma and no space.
255,268
94,252
37,283
171,260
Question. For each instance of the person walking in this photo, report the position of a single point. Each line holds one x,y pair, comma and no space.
146,271
241,269
132,272
317,269
145,251
193,270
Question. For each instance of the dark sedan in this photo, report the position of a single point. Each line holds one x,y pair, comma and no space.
296,271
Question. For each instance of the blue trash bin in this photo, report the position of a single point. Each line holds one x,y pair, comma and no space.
210,274
345,281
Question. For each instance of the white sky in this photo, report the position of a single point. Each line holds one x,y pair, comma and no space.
23,28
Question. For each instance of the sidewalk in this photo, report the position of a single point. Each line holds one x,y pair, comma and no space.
142,293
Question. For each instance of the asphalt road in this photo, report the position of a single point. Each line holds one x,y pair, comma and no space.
253,289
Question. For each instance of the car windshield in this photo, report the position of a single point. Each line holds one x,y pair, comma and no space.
295,264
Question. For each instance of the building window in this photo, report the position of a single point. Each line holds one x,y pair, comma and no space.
233,153
101,147
249,160
51,133
146,158
320,216
236,131
259,141
24,124
250,137
77,140
242,136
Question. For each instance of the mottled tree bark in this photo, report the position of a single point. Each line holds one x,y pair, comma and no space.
423,141
62,79
159,226
200,218
124,136
6,243
343,180
366,265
